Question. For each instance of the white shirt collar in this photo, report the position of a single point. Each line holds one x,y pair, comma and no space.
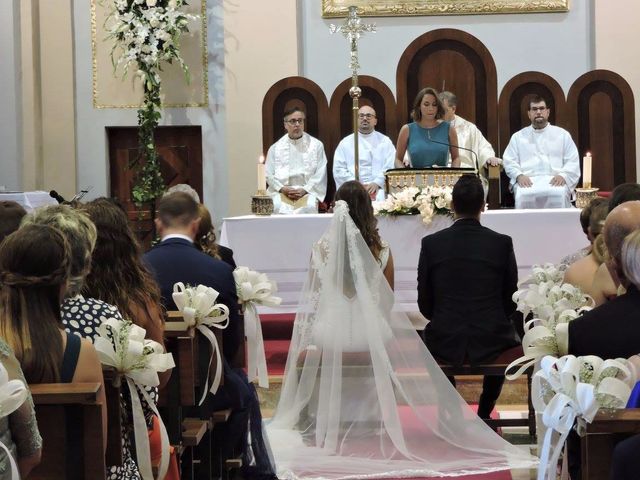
176,235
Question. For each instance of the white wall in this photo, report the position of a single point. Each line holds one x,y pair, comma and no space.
554,43
10,131
92,148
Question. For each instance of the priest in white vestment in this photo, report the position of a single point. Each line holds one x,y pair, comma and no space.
376,154
470,137
542,162
296,168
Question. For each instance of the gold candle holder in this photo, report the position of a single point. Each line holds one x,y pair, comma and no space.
585,195
261,203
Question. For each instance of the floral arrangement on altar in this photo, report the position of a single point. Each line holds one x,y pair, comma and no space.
426,201
255,289
147,33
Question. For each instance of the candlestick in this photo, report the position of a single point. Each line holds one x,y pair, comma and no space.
262,177
586,170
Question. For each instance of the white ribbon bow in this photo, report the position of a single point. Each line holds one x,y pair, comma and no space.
255,289
13,393
122,345
200,311
569,387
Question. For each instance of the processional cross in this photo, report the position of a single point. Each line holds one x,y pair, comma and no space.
352,29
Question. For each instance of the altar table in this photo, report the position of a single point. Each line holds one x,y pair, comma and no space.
280,245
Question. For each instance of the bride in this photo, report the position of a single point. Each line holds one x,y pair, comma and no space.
362,396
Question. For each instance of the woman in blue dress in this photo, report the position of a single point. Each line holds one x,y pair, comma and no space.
428,140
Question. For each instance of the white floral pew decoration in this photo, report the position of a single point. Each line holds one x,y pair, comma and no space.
200,311
255,289
427,201
569,387
13,394
123,346
553,305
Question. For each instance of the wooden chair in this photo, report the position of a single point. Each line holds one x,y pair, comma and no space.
601,435
498,367
70,422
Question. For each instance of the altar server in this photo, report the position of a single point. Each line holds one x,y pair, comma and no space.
542,161
375,151
296,168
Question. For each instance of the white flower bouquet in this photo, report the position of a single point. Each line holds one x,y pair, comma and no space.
569,387
123,346
426,201
255,289
200,311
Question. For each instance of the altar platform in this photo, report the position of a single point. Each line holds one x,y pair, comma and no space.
280,245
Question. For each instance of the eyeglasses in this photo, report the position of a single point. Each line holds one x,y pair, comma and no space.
538,109
368,116
295,121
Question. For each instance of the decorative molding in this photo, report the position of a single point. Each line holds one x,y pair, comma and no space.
393,8
98,34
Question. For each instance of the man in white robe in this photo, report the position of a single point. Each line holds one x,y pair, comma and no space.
542,162
296,168
469,136
376,154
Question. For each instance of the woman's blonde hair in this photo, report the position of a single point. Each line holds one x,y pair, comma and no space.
631,258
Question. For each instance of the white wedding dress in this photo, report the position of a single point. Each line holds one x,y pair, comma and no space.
362,396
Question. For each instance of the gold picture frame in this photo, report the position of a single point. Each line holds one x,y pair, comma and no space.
393,8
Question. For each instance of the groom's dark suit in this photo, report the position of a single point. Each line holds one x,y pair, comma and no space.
467,275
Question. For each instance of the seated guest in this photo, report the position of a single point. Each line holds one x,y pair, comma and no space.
582,272
83,315
612,330
183,187
429,139
11,214
296,168
469,136
585,215
206,239
605,286
18,431
35,266
467,275
176,259
625,462
542,161
375,151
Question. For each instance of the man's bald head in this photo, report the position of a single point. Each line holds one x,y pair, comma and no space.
620,222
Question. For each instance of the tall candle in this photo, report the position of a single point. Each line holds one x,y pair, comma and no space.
262,177
586,170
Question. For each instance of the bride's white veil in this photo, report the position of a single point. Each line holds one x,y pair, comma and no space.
362,396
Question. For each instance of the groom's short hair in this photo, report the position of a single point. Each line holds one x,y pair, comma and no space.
467,197
177,209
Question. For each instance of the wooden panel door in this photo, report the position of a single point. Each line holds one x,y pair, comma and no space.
180,155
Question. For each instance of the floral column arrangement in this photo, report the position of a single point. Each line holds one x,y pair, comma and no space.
147,34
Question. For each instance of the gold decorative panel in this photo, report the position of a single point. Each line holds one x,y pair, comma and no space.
393,8
112,91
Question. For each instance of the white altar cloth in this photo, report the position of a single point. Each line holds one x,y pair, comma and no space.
280,245
29,200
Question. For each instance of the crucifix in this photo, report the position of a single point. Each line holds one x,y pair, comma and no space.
352,28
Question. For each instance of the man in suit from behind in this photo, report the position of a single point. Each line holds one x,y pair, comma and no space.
176,259
467,275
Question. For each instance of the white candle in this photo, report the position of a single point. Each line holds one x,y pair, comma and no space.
586,170
262,178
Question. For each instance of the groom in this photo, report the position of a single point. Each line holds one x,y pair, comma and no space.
466,276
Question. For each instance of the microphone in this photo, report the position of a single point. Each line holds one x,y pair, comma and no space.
78,196
475,155
59,198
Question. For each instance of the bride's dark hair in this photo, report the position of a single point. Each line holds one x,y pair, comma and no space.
361,212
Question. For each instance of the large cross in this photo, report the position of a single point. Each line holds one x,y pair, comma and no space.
352,29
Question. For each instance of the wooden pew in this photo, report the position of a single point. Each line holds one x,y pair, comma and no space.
66,410
498,367
601,436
